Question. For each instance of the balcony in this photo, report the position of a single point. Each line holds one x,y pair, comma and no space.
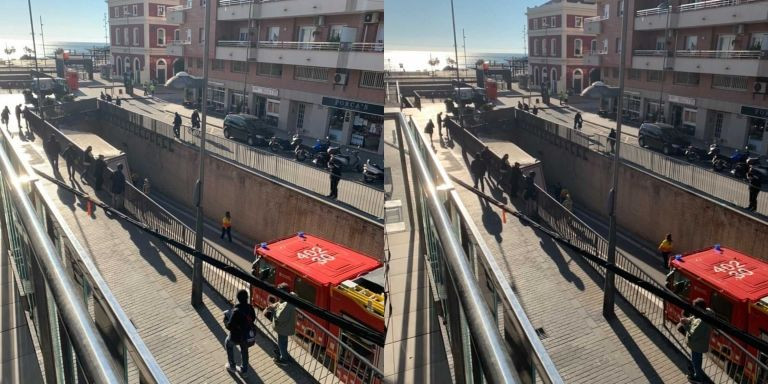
703,14
362,56
652,59
592,24
176,47
737,63
263,9
594,58
175,15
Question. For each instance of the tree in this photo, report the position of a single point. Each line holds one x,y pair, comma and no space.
433,63
9,51
479,62
450,61
27,53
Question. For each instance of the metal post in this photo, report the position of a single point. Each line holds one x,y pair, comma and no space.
456,53
42,36
197,268
37,69
610,279
464,45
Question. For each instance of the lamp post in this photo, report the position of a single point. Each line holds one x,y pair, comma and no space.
40,96
197,268
456,55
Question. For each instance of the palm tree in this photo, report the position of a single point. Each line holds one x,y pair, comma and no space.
433,63
9,51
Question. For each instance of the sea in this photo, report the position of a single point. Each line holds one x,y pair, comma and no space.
419,60
74,47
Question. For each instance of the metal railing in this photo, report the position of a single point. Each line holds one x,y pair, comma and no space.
235,43
53,112
596,53
651,52
68,299
312,358
552,214
722,54
183,7
355,194
713,4
595,19
179,42
477,304
654,11
323,46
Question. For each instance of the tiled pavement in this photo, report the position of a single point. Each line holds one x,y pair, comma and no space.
563,295
153,287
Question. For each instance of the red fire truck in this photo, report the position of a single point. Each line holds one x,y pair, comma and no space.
338,279
735,288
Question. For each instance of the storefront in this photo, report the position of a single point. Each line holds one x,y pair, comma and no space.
237,102
683,113
364,122
216,96
632,104
756,126
654,111
266,104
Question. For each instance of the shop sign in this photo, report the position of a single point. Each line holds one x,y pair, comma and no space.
265,91
353,106
754,112
682,100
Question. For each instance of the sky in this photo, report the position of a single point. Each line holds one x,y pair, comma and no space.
490,25
63,20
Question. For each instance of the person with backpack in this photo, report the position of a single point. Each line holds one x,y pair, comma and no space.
239,322
284,323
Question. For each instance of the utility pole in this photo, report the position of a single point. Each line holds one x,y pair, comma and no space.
37,69
197,267
527,60
464,37
458,82
42,35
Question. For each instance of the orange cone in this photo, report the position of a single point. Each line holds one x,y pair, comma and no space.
89,207
503,216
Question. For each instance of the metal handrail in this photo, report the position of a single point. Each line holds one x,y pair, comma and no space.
721,54
182,7
496,363
323,46
596,53
654,11
235,43
650,52
712,4
91,350
595,19
179,42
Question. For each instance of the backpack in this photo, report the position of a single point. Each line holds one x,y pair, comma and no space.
248,325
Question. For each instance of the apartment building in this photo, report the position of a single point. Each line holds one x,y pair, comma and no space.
557,44
306,66
700,66
139,34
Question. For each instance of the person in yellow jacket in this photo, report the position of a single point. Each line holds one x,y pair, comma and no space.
226,226
665,248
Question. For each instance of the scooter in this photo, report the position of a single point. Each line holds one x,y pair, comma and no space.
719,162
372,172
349,161
277,144
693,154
321,146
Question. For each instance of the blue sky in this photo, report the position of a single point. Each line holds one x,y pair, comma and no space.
64,20
490,25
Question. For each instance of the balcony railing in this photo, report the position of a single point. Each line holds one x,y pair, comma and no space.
183,7
595,19
235,43
596,53
179,42
651,52
723,54
693,6
317,46
653,11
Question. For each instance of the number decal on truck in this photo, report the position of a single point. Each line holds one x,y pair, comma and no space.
733,268
316,254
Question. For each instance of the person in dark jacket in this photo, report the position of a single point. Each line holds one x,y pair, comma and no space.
239,322
118,187
17,110
335,169
70,158
612,140
577,121
429,129
504,171
515,175
5,116
535,110
530,193
27,116
87,161
176,125
697,333
440,125
195,119
478,168
52,150
753,176
99,166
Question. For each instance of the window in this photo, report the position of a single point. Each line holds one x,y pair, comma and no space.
335,33
578,22
372,80
730,82
618,45
273,33
717,122
217,65
201,36
535,23
679,284
553,21
620,10
244,34
759,42
553,47
189,35
161,36
633,74
577,48
304,290
176,34
266,271
135,35
654,76
544,23
535,47
161,11
126,40
116,12
660,42
135,10
216,97
199,62
607,11
593,45
689,121
631,104
273,107
687,78
605,46
125,10
117,36
721,306
544,47
269,69
310,73
690,43
238,67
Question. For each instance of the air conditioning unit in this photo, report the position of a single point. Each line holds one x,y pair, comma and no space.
760,87
340,79
320,20
739,29
372,17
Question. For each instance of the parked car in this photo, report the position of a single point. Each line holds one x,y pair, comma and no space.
662,137
248,128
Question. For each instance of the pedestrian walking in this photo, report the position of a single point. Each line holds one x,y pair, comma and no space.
176,124
477,168
52,149
665,248
568,203
577,121
152,89
70,158
753,177
530,194
109,98
5,116
87,161
504,171
284,323
102,96
612,139
697,333
515,176
145,88
17,110
525,107
117,101
27,116
335,169
429,129
195,119
519,105
118,188
440,125
239,322
99,166
226,226
535,110
145,186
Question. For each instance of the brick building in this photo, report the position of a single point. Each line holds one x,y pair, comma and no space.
700,66
139,34
557,43
307,68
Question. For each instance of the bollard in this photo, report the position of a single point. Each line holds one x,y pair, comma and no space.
503,216
89,207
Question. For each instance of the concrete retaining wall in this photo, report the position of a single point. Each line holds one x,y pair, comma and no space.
261,209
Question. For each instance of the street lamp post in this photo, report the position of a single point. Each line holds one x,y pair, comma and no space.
458,81
197,268
40,96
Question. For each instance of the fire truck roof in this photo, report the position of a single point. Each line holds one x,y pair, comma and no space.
318,259
741,276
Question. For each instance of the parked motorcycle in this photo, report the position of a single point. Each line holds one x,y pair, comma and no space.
740,163
321,146
349,161
279,144
718,161
372,172
693,154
